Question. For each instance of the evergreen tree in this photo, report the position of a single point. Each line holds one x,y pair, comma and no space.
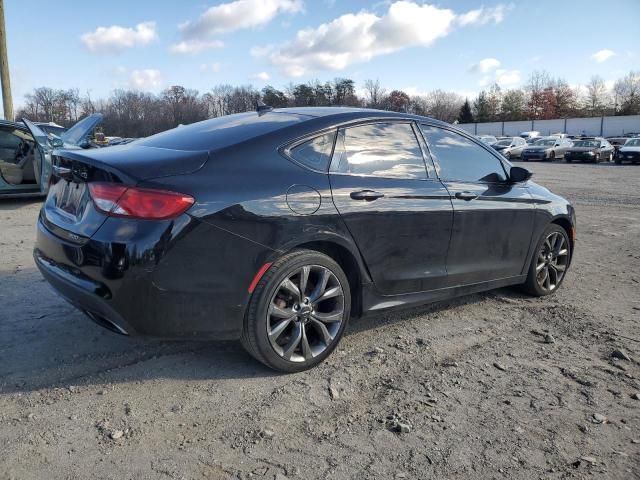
465,115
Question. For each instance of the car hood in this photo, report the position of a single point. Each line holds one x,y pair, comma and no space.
630,149
501,147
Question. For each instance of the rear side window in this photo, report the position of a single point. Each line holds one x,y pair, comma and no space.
314,153
461,159
380,150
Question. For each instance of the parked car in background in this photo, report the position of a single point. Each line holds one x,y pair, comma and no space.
590,150
617,142
510,147
530,135
488,139
25,154
546,148
276,227
629,152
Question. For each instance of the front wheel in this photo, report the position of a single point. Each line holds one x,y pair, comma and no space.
610,157
549,262
298,312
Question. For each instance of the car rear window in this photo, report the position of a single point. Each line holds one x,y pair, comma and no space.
222,132
314,153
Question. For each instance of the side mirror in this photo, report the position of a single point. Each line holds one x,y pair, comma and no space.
519,174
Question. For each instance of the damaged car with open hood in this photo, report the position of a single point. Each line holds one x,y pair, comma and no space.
26,150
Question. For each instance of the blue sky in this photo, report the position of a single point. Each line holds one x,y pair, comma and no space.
449,44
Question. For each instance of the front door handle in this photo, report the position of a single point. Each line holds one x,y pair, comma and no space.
466,196
367,195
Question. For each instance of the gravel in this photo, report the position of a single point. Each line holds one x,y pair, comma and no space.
206,410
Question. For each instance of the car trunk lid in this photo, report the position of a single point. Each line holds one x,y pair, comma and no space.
69,211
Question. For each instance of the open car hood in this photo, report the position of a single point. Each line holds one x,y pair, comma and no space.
75,137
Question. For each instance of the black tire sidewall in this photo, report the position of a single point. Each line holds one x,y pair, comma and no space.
257,312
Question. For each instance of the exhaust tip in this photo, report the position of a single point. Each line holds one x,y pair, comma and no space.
106,323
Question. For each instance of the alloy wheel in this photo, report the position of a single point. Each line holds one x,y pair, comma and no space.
305,313
553,259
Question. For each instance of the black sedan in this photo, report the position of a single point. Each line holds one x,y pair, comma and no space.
590,150
277,227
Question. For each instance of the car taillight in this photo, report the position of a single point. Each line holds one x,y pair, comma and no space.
117,200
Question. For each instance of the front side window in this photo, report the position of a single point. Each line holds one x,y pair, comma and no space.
461,159
381,150
314,153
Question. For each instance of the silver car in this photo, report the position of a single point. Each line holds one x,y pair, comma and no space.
510,147
546,148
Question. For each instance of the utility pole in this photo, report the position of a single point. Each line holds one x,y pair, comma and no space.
7,103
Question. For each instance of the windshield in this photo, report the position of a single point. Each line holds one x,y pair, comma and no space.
504,143
546,143
587,143
635,142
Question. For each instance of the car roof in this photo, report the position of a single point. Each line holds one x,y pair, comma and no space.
221,132
9,123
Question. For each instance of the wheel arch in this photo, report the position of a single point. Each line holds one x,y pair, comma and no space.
566,224
353,268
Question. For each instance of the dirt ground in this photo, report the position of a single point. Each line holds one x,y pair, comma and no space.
495,385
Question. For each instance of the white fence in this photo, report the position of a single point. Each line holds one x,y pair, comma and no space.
598,126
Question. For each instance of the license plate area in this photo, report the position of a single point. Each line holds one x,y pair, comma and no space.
70,198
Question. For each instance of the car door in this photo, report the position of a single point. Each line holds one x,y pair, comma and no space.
520,144
493,218
396,209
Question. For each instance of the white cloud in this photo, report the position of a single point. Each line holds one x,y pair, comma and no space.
359,37
603,55
237,15
485,65
262,76
187,47
482,16
210,67
507,78
115,39
147,79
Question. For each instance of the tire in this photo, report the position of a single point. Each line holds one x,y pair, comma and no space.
508,156
552,156
618,161
596,158
553,266
568,160
301,326
610,157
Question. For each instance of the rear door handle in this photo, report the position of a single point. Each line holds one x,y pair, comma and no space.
367,195
466,196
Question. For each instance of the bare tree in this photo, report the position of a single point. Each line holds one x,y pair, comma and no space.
374,93
443,105
597,97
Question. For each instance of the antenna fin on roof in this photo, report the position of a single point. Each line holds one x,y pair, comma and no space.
262,107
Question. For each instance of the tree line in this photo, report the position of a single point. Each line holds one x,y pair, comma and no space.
133,113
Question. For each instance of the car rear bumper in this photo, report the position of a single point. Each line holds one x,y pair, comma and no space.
144,287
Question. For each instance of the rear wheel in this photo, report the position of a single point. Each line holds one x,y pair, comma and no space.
549,262
552,155
298,312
